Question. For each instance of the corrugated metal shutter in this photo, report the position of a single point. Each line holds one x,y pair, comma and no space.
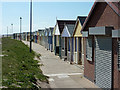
103,61
119,54
89,48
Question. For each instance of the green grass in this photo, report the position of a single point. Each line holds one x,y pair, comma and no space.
19,69
38,55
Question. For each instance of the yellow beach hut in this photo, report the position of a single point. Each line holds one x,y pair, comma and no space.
78,40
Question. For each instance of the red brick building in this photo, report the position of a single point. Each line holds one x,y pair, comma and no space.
101,32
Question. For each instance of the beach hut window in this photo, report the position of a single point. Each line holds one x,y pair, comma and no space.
89,49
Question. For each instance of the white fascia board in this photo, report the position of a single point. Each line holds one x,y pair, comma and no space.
57,32
68,32
65,32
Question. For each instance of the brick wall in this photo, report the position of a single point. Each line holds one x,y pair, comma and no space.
115,71
88,66
103,15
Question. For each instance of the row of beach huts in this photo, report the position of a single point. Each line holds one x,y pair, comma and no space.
92,41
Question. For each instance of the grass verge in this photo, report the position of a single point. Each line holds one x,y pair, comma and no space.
19,69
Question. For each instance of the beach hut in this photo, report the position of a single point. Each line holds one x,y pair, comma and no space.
13,35
35,38
53,39
21,36
42,37
50,38
28,36
68,43
46,38
78,40
38,37
57,35
18,36
32,36
101,32
24,36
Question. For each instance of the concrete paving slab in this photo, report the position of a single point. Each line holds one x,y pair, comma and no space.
61,73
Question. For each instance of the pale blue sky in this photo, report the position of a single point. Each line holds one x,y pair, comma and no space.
44,13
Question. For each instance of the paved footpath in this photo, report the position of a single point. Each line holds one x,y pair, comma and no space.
61,73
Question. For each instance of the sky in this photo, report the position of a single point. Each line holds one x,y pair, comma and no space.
44,14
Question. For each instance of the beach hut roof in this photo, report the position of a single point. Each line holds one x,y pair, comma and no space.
46,31
50,31
81,19
114,5
70,28
61,23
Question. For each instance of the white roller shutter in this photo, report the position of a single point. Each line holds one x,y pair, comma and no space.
103,61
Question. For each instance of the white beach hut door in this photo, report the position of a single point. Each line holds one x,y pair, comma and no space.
103,61
89,49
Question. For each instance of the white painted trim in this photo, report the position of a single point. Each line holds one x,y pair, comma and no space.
63,74
57,32
66,30
68,51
